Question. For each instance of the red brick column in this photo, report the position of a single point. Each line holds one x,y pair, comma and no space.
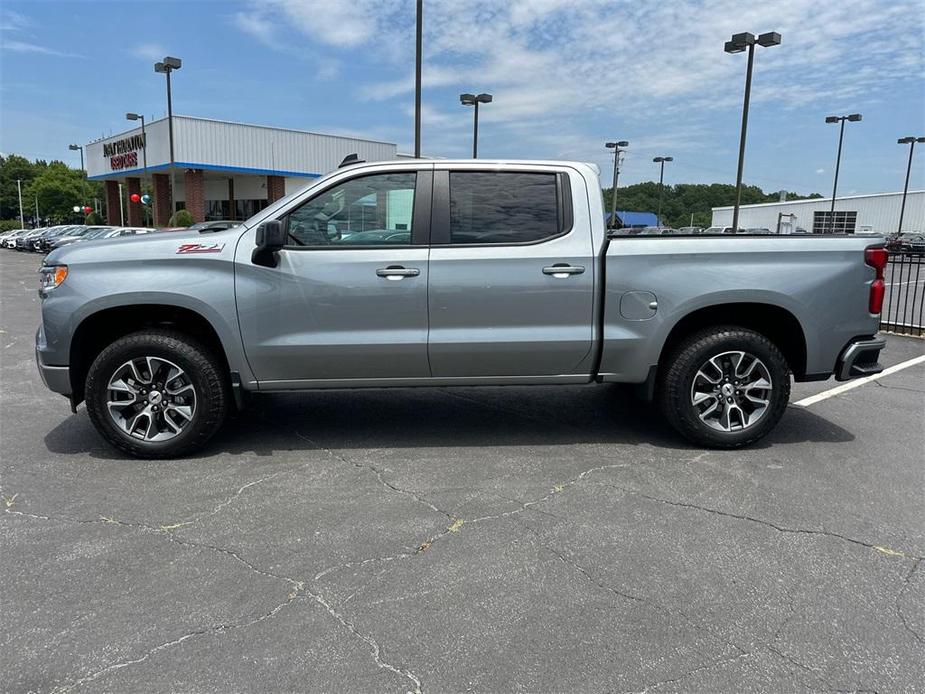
112,203
134,211
276,188
162,210
195,194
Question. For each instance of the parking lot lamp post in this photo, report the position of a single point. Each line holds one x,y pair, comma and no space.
841,135
144,150
661,184
737,44
22,223
167,66
617,150
418,59
475,100
911,142
74,148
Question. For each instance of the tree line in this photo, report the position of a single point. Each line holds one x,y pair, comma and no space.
53,186
682,200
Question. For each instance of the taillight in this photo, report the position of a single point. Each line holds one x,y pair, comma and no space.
877,259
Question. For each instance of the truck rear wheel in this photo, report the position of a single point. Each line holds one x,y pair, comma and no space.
157,394
724,387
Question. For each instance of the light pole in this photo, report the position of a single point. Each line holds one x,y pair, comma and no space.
617,150
418,59
74,148
22,220
841,134
737,44
144,139
661,186
911,142
167,66
475,100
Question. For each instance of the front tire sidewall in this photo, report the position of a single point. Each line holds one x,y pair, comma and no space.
188,356
676,389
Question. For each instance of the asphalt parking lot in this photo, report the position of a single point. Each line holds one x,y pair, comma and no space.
497,539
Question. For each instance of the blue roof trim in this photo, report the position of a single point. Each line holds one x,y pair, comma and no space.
628,219
205,167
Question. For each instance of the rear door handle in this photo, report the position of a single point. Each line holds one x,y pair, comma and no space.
397,272
561,270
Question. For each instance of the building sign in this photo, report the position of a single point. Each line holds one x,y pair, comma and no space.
123,154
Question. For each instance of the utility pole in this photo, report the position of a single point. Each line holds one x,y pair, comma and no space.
22,221
616,147
418,58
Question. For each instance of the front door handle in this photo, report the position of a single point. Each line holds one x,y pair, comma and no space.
561,270
397,272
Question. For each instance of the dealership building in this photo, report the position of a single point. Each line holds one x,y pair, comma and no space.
220,170
877,213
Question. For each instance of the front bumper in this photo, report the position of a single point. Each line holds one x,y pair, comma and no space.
859,359
55,378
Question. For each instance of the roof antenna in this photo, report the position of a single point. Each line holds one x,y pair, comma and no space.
350,160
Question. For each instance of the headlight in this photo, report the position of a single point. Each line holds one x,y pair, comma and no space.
52,276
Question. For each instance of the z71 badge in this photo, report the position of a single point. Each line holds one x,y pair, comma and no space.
201,248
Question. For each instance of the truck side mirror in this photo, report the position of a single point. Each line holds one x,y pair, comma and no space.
271,237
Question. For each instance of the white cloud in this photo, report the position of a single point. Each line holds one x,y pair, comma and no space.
25,47
555,66
149,51
820,171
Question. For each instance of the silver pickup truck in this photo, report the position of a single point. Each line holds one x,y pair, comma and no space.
450,273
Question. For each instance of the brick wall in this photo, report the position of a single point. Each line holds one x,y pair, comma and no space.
195,194
112,203
161,199
133,213
276,188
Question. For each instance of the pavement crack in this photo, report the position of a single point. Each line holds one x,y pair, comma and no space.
369,641
700,668
907,581
760,521
218,629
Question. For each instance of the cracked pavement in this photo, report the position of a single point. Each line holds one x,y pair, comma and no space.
495,539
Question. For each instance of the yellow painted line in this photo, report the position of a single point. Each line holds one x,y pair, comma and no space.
851,385
889,552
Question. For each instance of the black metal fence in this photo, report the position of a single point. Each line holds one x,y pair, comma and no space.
904,303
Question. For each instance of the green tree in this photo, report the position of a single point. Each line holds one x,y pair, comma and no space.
14,167
58,189
93,219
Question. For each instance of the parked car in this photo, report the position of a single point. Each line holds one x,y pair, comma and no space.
24,242
755,231
690,230
718,230
9,241
46,240
474,273
909,243
86,234
215,225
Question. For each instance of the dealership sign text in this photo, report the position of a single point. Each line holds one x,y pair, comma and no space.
124,153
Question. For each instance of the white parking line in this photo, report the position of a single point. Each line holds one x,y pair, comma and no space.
838,390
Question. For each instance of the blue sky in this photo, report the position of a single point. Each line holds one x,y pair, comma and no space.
566,75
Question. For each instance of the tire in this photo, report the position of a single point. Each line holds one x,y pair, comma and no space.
178,413
689,374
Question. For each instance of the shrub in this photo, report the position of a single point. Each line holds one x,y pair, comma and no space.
181,218
10,224
93,219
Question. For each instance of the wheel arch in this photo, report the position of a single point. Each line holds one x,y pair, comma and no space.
99,329
774,322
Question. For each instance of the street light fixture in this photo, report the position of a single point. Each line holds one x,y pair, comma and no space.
475,100
854,117
661,177
144,150
911,142
74,148
617,148
167,66
737,44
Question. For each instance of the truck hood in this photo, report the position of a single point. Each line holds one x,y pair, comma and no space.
156,246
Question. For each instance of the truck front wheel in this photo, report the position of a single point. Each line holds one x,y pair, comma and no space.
724,387
157,394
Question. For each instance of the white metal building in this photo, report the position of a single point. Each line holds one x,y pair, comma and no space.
877,213
222,170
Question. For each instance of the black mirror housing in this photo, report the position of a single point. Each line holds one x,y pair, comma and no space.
271,238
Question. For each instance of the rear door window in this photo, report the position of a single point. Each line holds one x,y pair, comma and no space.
504,208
